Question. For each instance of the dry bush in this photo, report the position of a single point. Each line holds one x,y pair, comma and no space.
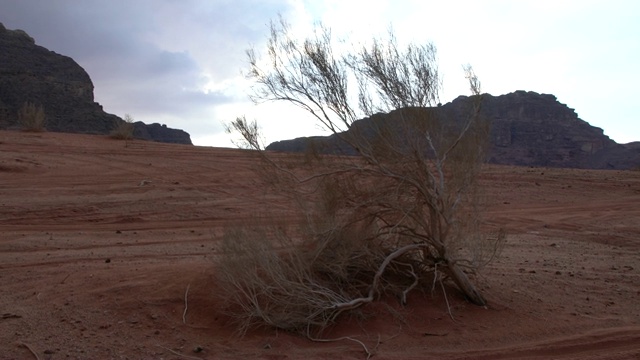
124,129
400,213
273,280
31,117
273,285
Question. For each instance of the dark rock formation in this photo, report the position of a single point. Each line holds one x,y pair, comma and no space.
633,145
161,133
527,129
535,129
31,73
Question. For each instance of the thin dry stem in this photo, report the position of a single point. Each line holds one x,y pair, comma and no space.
366,349
186,305
446,299
30,349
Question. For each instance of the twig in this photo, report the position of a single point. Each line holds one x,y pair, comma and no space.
394,336
375,349
434,334
369,353
184,314
435,277
413,285
65,278
10,316
178,354
30,349
446,300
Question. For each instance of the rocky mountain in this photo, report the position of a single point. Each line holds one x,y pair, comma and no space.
31,73
527,129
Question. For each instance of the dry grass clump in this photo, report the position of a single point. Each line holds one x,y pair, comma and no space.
31,117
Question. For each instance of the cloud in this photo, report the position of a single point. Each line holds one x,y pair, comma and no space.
180,62
159,60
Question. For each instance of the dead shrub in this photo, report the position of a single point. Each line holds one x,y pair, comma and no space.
123,129
400,213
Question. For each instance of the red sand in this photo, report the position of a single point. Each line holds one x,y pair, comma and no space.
99,243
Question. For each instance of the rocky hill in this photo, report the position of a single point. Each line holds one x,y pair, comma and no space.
527,129
31,73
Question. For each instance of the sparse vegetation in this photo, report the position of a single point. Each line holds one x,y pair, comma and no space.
402,215
31,117
124,129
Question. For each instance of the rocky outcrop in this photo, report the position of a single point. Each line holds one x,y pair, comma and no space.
527,129
161,133
536,130
633,145
31,73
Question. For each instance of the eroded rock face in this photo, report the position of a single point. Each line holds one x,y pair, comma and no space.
527,129
534,129
31,73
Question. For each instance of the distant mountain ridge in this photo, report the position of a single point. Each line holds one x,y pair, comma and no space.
527,129
31,73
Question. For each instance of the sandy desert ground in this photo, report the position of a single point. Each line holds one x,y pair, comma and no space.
99,243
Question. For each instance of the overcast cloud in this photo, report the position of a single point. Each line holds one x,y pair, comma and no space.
164,61
180,62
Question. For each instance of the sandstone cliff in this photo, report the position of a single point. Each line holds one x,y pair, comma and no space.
31,73
527,129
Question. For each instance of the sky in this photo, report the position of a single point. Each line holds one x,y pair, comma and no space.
182,63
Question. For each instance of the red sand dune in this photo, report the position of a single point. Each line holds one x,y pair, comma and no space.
99,243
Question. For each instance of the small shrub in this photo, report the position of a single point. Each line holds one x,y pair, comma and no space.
31,117
123,129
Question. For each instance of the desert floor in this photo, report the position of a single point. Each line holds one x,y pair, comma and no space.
107,250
